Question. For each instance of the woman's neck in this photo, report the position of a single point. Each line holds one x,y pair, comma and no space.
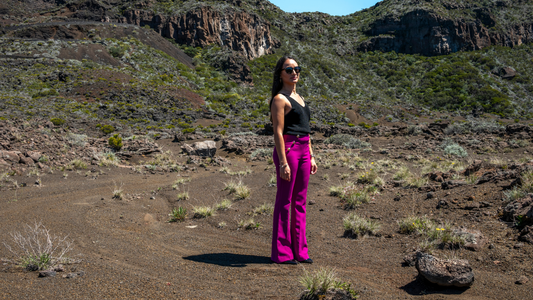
288,89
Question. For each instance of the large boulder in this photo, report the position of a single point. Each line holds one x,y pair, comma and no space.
204,149
10,156
449,272
34,155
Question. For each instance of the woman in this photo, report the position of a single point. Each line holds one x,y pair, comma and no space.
294,161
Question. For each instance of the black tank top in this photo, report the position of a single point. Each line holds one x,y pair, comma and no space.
297,119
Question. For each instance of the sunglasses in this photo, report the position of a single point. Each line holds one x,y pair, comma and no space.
289,70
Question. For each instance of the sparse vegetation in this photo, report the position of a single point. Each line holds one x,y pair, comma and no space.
118,193
182,196
356,226
224,205
239,190
78,164
347,141
202,211
415,224
249,224
322,280
36,248
264,209
177,214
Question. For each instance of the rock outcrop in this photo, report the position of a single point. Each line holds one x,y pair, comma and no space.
243,32
427,33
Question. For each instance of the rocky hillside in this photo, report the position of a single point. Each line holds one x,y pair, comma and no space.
444,27
396,61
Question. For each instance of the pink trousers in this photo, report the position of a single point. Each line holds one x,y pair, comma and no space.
288,233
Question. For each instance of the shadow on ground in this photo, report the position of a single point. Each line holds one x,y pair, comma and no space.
420,286
229,259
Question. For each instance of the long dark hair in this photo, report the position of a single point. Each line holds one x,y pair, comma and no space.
276,82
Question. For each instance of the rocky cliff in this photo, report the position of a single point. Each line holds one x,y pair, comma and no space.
240,31
427,33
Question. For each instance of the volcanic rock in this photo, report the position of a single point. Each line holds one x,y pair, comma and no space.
47,273
10,156
450,272
203,149
450,184
475,240
520,208
526,234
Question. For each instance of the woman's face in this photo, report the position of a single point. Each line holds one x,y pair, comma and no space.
289,78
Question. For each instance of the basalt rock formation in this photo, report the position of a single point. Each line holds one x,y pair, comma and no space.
245,33
427,33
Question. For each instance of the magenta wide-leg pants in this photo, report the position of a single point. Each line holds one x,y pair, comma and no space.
288,233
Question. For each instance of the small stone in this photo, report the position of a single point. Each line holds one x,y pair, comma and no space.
47,273
522,280
519,245
442,204
484,204
491,246
430,195
59,268
410,260
74,274
312,202
152,198
471,198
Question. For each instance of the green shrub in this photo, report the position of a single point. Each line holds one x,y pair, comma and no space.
117,51
364,125
57,121
45,93
115,142
107,129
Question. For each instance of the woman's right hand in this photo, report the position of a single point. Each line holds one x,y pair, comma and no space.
286,173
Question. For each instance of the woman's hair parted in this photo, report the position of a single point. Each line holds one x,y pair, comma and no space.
276,82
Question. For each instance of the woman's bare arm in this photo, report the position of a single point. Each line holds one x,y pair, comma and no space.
278,120
313,162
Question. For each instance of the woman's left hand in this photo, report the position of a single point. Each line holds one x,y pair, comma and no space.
313,166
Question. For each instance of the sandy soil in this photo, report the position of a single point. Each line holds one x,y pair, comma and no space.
129,250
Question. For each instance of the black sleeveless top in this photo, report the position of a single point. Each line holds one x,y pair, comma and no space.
297,119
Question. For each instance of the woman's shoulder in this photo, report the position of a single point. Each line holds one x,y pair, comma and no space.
281,98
